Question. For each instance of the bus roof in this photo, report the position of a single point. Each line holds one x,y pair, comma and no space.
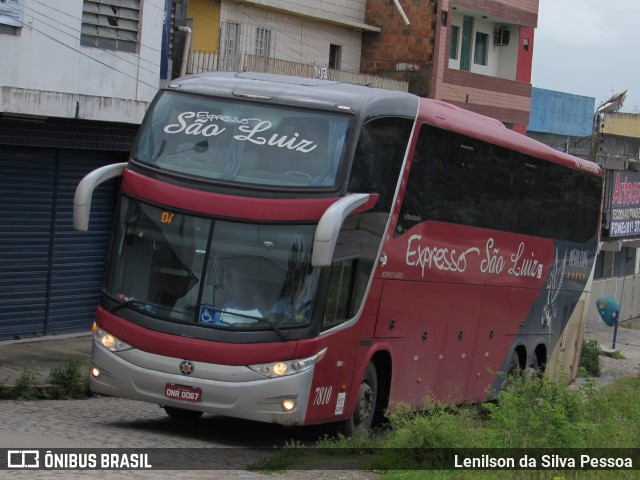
369,102
457,119
362,100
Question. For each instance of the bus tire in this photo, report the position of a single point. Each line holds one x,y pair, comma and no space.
514,369
360,421
182,413
535,370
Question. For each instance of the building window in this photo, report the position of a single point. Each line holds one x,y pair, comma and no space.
109,26
453,45
263,42
481,49
231,45
11,12
335,52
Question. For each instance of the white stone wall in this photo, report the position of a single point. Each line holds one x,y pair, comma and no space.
45,71
297,39
624,289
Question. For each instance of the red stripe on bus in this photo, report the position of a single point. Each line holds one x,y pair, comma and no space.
252,208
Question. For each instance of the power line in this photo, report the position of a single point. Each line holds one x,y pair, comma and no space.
109,52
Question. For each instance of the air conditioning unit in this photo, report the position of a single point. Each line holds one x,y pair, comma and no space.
502,36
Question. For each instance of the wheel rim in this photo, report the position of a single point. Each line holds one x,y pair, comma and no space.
365,404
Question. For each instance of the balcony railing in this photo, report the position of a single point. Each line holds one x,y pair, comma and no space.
212,61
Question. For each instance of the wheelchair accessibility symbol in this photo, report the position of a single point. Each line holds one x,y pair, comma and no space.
207,314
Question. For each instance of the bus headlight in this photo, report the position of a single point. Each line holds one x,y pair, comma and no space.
289,367
108,341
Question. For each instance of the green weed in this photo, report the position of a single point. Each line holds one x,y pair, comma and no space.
531,412
26,385
590,358
617,355
71,378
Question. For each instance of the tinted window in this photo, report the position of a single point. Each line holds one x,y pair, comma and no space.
466,181
379,155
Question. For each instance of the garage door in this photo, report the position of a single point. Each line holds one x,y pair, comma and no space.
50,274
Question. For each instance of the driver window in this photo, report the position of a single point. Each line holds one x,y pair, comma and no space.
353,262
376,168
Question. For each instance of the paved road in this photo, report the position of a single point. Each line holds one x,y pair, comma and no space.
106,422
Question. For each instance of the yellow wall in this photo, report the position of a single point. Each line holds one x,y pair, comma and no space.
624,124
206,24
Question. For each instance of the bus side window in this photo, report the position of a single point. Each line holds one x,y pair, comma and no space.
531,173
556,186
498,182
424,196
462,180
378,159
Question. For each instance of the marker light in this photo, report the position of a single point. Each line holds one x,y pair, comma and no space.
290,367
108,341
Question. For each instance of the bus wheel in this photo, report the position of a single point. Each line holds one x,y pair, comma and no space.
182,413
362,417
534,370
514,370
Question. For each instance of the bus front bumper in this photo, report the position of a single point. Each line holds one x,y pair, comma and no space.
234,391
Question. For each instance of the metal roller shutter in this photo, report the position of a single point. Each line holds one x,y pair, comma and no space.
50,274
77,258
26,210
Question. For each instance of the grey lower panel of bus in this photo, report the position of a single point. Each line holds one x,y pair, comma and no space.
238,392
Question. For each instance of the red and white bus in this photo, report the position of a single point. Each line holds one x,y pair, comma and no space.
302,251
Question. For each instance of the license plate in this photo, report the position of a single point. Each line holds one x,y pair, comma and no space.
183,392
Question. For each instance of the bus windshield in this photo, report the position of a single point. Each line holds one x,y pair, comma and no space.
190,269
242,142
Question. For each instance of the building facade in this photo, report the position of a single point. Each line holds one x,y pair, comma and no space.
76,80
471,53
239,34
616,147
399,50
563,121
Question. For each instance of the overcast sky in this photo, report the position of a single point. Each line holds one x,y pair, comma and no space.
590,48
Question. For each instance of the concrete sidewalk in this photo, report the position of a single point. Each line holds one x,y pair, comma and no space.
627,345
40,355
44,353
627,338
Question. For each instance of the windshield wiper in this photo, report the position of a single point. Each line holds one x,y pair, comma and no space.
138,305
283,336
126,303
280,333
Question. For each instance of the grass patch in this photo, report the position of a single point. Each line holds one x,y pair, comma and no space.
69,380
530,413
26,387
